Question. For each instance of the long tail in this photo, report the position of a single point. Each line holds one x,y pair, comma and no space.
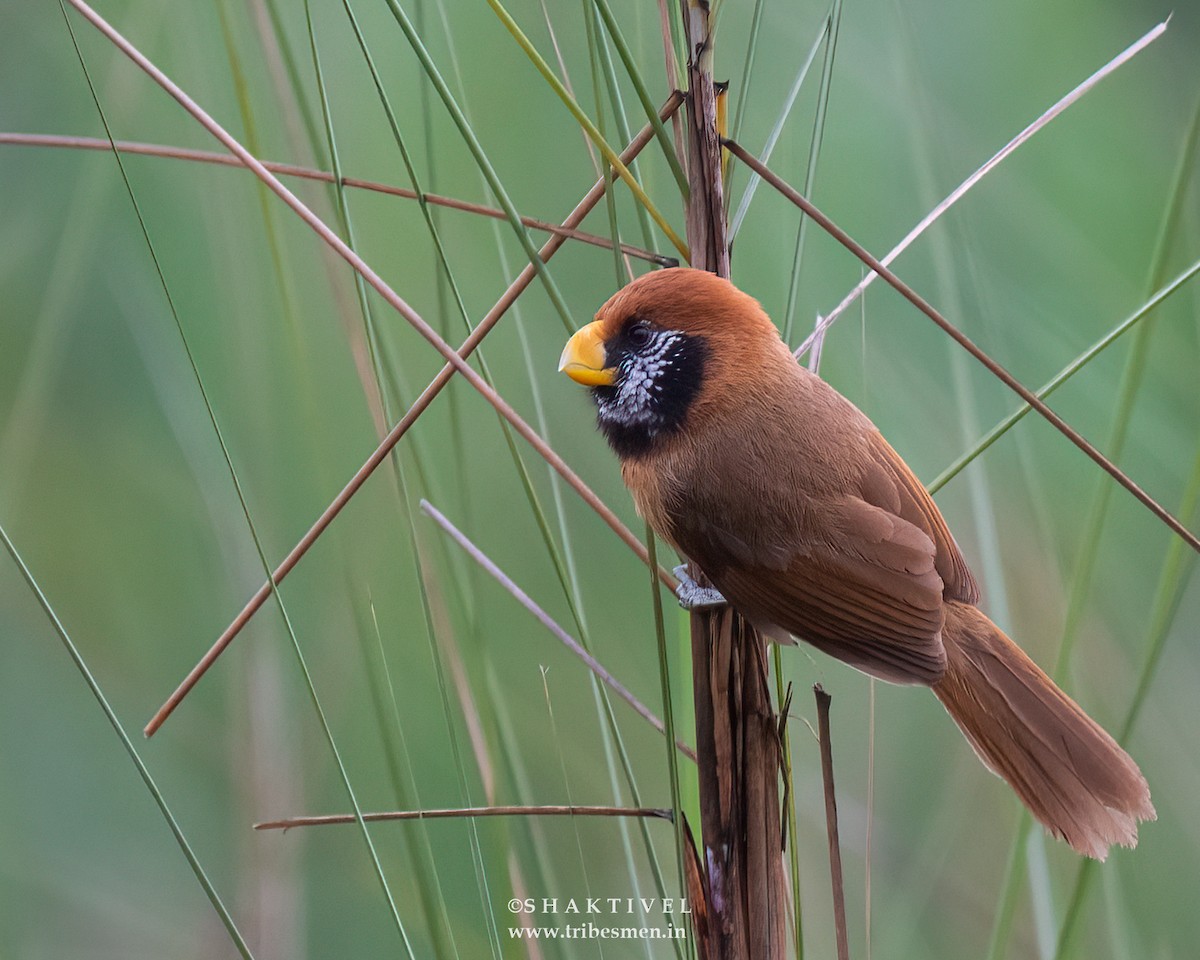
1070,774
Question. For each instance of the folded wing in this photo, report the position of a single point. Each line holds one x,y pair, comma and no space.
859,583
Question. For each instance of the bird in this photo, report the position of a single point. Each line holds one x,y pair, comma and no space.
804,519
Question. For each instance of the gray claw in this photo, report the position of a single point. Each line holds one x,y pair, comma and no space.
692,596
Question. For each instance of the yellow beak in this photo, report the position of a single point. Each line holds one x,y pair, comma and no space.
583,358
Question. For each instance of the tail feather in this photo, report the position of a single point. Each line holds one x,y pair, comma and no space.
1072,776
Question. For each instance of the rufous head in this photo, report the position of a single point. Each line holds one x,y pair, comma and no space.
662,348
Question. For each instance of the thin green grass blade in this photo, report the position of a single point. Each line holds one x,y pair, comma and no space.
262,557
584,121
447,273
777,129
435,652
1014,876
254,144
425,571
598,48
1177,567
869,838
643,94
143,771
564,574
1169,587
611,721
410,169
814,154
789,811
678,44
185,846
566,779
454,398
446,284
597,166
1064,375
426,577
485,166
747,71
1131,381
743,98
1116,915
1167,596
981,497
1041,892
430,893
563,561
1097,514
535,842
614,775
685,715
569,583
664,674
343,208
246,512
307,145
649,238
437,646
280,264
293,75
566,570
386,707
291,97
312,692
526,481
610,200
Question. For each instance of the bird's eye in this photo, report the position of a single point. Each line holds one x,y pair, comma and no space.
639,335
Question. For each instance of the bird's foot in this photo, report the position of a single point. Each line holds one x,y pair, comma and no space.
692,596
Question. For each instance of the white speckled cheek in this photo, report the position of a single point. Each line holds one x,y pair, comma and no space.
634,401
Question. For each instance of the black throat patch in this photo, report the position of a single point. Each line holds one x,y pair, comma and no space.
654,391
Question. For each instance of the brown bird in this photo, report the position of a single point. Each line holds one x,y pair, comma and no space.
806,521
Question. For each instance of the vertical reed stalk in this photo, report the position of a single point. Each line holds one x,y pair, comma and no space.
737,739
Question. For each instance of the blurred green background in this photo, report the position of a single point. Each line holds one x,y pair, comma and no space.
113,486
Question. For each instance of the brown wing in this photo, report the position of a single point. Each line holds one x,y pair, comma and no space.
823,531
888,483
860,584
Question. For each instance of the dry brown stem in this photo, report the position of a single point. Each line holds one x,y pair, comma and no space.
322,176
831,823
737,742
461,812
909,294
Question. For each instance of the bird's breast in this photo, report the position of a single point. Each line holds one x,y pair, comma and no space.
653,489
751,472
